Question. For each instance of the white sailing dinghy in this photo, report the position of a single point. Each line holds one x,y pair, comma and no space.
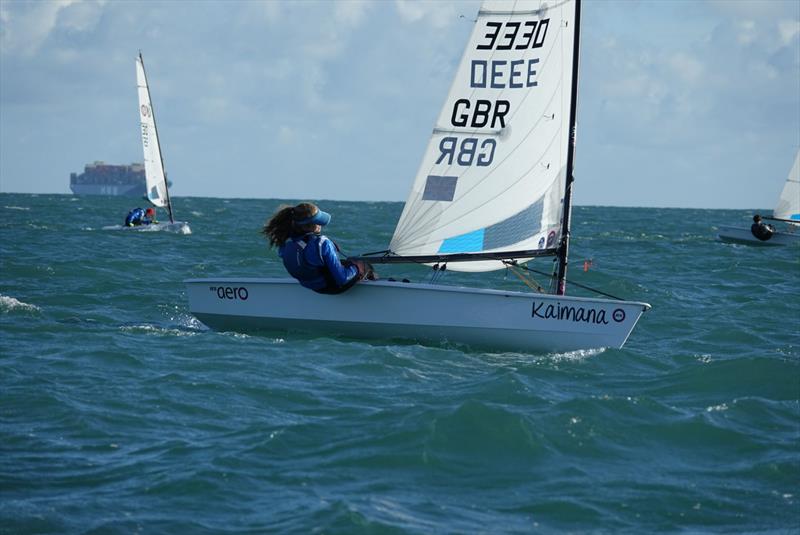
155,177
786,211
493,191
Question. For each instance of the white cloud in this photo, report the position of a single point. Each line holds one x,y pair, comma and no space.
751,9
288,135
271,11
438,15
352,13
81,16
746,32
25,26
410,11
788,30
686,67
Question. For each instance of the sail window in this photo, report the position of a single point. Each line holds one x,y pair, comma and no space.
440,188
514,229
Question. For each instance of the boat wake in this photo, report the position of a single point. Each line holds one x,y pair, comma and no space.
577,355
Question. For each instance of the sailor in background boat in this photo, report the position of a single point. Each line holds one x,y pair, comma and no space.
307,255
137,217
761,230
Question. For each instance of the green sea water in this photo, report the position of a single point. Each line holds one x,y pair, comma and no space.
121,413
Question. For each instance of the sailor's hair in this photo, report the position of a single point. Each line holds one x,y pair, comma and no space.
279,227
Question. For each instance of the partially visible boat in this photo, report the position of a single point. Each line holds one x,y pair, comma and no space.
786,211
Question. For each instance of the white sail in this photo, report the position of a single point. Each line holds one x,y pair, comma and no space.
788,206
153,164
493,174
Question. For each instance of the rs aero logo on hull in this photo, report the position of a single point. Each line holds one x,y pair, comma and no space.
230,293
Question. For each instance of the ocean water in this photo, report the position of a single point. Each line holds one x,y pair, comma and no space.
120,413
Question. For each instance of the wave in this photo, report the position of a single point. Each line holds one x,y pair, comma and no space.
9,304
161,330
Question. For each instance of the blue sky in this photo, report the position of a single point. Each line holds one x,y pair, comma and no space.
681,103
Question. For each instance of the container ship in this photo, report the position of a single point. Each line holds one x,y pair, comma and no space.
100,178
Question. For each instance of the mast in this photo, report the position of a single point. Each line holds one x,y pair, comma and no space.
158,141
563,251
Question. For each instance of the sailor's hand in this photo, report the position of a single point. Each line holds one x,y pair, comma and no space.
371,275
360,266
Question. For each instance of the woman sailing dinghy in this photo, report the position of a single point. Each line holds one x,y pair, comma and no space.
493,190
156,179
787,210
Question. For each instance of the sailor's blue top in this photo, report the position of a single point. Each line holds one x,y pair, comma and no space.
313,261
136,217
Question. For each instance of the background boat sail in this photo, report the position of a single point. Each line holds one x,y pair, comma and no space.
493,190
788,207
157,190
787,210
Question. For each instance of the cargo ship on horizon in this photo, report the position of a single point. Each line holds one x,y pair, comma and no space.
100,178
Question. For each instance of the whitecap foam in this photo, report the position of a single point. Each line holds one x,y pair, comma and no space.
7,304
156,329
578,354
16,208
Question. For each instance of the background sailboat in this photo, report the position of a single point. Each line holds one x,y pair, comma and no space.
493,191
787,210
155,177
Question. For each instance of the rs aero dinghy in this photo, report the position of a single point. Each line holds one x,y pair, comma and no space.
787,210
493,191
155,177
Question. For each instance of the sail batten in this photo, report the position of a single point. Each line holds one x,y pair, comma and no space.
493,174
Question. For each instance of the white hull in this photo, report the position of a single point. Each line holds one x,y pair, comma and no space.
743,235
495,319
178,227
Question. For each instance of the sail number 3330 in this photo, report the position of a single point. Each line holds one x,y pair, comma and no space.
495,73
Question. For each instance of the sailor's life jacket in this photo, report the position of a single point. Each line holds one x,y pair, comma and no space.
312,259
761,231
136,217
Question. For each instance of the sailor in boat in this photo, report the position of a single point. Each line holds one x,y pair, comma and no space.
761,230
137,217
308,256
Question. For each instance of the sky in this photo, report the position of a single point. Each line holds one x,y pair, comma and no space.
682,103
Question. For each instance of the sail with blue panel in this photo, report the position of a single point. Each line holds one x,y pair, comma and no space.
493,176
